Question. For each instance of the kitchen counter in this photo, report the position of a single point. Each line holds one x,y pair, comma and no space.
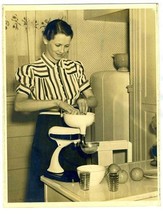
147,189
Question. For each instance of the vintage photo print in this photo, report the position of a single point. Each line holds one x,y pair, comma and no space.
81,105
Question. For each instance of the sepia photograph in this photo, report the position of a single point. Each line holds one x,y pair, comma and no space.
81,99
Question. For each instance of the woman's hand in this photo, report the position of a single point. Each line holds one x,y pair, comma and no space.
68,108
89,101
83,106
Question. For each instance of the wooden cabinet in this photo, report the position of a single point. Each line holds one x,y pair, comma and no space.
143,72
20,129
112,15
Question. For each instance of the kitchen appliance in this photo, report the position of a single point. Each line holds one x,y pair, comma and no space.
112,112
75,133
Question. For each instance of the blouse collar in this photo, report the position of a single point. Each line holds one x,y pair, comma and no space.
62,62
47,61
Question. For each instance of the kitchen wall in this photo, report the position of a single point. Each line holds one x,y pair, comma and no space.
97,41
93,44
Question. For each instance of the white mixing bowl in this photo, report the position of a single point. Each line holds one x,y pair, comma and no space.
97,173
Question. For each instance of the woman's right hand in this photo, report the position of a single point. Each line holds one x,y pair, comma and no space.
67,108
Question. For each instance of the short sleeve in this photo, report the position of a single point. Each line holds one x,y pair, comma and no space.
25,79
82,80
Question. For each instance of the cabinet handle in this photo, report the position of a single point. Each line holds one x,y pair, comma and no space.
129,88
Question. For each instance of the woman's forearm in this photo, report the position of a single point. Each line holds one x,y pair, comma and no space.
91,102
90,98
23,104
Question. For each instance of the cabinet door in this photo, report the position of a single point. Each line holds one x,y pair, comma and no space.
143,80
148,57
52,195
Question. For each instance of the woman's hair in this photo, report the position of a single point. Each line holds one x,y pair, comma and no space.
55,27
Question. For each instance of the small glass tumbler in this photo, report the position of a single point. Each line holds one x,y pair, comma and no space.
84,180
113,181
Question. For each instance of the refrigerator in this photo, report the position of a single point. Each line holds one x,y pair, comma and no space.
112,112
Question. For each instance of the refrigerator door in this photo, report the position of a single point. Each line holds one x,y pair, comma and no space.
112,112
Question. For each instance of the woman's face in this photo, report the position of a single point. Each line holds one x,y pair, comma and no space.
58,47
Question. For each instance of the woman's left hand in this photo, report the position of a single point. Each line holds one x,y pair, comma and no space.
82,105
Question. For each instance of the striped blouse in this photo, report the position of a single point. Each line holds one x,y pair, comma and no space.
44,80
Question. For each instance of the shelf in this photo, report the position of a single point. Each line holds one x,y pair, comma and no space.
110,15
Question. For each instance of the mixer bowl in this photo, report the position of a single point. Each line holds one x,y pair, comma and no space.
80,121
90,147
120,61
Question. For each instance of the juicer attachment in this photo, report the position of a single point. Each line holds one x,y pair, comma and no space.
82,121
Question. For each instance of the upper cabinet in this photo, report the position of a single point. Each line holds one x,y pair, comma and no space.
111,15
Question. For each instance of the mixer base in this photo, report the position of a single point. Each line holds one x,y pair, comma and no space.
66,176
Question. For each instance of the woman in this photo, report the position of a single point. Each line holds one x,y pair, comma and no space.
50,85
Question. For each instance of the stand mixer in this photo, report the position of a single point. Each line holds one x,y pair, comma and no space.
64,136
